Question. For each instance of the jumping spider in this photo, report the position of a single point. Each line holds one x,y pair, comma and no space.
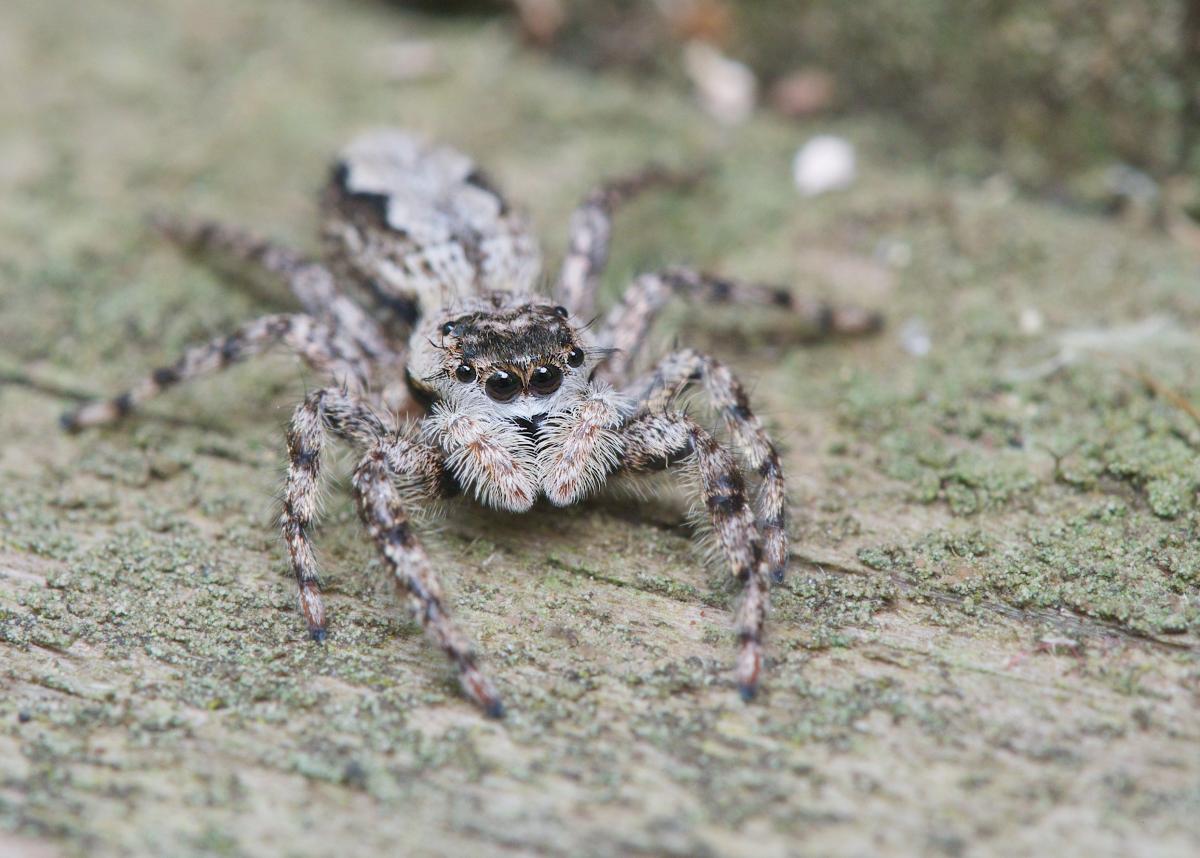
518,397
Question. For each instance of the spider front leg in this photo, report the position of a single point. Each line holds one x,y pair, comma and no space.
579,448
313,341
590,231
384,516
390,461
653,442
492,459
331,410
628,323
662,386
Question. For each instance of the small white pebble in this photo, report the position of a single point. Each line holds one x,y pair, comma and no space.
825,163
726,88
914,338
1031,321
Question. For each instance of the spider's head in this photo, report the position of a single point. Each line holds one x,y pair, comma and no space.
516,356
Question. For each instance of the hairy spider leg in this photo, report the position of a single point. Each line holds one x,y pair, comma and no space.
628,323
590,232
670,378
313,341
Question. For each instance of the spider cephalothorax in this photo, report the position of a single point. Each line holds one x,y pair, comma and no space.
522,353
515,363
518,399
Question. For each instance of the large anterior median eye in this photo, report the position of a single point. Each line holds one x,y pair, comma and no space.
546,379
502,386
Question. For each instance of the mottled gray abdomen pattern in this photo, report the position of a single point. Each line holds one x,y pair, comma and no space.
419,225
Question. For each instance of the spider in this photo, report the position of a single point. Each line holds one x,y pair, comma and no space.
462,378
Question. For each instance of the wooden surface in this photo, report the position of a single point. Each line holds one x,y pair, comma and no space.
988,641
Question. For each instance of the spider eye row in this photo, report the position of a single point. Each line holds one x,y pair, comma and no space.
503,386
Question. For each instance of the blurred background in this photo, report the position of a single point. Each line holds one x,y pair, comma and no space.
1089,101
989,640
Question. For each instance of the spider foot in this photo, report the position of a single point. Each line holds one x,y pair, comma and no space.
314,610
95,414
749,668
480,689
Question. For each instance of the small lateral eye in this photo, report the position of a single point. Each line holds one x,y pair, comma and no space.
575,357
447,329
561,311
465,372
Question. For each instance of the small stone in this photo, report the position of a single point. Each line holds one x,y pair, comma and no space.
1031,321
803,93
727,89
914,338
825,163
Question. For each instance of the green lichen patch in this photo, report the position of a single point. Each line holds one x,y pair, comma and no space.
1102,560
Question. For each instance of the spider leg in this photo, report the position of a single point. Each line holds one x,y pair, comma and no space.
313,285
389,464
653,442
580,447
312,340
324,411
627,324
590,230
383,514
656,391
492,459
